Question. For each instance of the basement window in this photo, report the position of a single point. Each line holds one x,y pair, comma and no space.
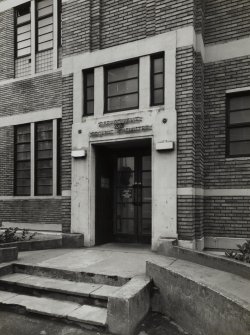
238,124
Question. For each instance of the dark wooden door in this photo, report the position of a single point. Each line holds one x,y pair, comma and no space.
132,197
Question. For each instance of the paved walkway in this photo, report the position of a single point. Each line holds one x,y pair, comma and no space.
110,259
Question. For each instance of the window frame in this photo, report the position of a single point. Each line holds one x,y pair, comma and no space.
152,74
16,26
15,161
85,87
36,27
229,127
36,159
117,65
56,157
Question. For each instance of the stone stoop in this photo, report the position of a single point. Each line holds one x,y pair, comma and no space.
87,300
201,299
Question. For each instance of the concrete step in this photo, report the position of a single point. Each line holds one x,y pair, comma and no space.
203,300
83,315
72,275
80,292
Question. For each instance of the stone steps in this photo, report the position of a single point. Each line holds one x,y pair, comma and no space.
83,315
87,300
61,289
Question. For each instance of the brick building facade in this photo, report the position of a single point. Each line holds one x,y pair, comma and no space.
126,120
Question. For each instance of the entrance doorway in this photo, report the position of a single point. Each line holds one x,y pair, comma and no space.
123,193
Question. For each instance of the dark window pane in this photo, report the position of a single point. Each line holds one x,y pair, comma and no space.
90,108
240,134
158,80
22,160
240,148
124,163
90,79
146,163
158,65
123,72
240,102
90,93
123,87
146,226
239,117
44,158
146,194
125,226
158,96
146,178
44,190
123,102
146,211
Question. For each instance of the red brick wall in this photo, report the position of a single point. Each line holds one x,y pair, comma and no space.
31,211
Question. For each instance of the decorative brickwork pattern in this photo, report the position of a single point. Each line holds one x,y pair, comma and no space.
221,172
32,94
31,211
7,44
226,20
227,216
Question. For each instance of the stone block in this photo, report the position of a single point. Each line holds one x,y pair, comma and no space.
128,306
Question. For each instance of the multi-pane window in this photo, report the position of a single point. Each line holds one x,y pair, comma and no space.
44,158
23,30
22,160
44,25
35,158
89,92
122,87
238,124
157,80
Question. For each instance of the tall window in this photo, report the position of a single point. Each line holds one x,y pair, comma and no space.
89,92
157,80
34,152
238,124
22,160
44,158
23,30
122,87
44,25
